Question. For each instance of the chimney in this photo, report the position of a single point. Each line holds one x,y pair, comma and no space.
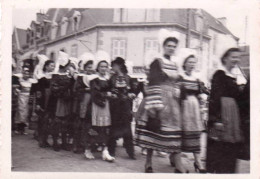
223,20
40,17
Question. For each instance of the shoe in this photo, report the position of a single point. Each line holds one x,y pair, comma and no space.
148,169
107,157
198,170
132,156
144,152
89,155
99,149
162,154
178,171
171,160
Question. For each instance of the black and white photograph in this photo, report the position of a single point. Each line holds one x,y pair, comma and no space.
130,90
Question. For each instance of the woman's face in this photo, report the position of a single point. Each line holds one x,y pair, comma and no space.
232,60
116,68
71,70
50,67
190,64
102,68
88,69
169,48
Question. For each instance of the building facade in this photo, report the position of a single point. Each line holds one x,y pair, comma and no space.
129,33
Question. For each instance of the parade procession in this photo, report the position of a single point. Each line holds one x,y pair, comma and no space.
87,103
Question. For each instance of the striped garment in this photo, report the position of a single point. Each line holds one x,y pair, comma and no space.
191,85
168,139
154,97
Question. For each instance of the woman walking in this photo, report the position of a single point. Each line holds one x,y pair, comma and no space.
224,120
121,108
192,124
160,128
101,119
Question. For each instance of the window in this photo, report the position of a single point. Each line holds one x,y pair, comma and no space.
64,25
133,15
118,48
151,45
136,15
74,50
152,15
38,32
215,42
117,15
76,20
54,30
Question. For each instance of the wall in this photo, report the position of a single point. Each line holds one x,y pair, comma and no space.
135,38
90,37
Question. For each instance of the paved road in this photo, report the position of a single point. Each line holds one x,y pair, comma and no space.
27,156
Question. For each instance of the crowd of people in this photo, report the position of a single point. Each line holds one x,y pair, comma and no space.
91,104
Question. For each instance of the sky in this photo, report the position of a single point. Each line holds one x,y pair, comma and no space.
236,18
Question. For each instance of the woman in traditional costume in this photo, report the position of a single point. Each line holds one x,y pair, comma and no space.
42,98
83,103
61,100
122,89
22,113
160,129
225,132
192,124
101,119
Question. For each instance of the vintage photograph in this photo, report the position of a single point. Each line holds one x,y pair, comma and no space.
130,90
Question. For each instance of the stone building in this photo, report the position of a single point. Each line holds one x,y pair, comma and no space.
129,33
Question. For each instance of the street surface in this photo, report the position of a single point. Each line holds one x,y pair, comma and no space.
28,157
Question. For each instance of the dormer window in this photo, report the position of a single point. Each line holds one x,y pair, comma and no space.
64,25
54,28
199,20
152,15
38,32
136,15
76,20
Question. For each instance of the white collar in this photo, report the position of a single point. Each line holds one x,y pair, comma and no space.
228,73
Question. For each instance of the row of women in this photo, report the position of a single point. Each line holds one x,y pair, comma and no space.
169,118
95,108
92,107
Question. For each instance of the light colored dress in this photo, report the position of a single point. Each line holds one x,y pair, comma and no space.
23,101
192,124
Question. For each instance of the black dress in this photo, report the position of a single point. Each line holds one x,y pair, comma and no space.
121,113
42,98
82,110
223,145
15,86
